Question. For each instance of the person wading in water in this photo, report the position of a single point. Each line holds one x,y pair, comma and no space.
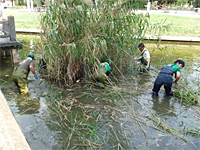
165,77
21,72
102,72
145,58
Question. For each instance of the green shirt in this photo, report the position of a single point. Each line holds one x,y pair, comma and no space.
106,66
175,67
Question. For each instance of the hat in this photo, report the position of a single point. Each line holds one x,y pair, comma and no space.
141,45
108,60
31,55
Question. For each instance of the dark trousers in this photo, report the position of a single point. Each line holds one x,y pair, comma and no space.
163,79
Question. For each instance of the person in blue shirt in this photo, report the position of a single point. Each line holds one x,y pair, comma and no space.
165,77
102,72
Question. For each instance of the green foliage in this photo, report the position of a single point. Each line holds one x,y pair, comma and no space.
23,3
74,31
181,2
187,95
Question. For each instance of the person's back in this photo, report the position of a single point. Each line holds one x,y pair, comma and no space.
101,74
21,72
165,77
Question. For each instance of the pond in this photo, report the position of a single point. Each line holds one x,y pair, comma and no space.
42,128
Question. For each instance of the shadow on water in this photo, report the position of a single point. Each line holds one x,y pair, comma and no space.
43,129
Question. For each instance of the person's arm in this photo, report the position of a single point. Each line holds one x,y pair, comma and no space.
178,75
32,69
147,58
148,64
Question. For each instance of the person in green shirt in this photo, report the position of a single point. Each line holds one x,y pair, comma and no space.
165,77
21,72
102,72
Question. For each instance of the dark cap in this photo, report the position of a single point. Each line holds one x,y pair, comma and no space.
141,45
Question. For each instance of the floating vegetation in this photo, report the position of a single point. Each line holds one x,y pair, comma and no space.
4,83
187,95
84,121
25,100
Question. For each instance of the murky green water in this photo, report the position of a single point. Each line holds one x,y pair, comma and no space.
40,126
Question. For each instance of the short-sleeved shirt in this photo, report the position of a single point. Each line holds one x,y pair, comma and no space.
27,63
146,54
175,67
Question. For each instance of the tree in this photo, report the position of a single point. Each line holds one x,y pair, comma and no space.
181,2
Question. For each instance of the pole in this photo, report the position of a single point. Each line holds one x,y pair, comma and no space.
148,5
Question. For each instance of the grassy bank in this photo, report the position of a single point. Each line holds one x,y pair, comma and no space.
25,20
178,25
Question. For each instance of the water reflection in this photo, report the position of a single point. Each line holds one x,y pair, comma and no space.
27,105
162,105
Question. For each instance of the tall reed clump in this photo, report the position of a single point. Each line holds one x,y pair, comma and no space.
79,34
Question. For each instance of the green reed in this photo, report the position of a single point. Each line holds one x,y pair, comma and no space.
89,123
187,94
78,35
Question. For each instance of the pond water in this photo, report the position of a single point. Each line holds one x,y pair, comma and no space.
42,131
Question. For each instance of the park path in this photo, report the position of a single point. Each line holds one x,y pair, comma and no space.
11,136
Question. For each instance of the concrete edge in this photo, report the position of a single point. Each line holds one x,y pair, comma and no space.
11,136
173,38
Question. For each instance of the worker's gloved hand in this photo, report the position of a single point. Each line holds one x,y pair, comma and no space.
36,76
147,67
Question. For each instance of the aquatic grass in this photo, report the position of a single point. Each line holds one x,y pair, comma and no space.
187,94
160,123
186,130
4,83
88,119
78,37
163,127
25,100
91,129
195,132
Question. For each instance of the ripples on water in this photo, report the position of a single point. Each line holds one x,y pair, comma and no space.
39,124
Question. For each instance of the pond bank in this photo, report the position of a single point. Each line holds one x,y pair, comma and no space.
149,37
11,136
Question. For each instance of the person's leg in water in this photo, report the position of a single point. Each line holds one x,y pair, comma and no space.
156,89
157,85
23,86
168,88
